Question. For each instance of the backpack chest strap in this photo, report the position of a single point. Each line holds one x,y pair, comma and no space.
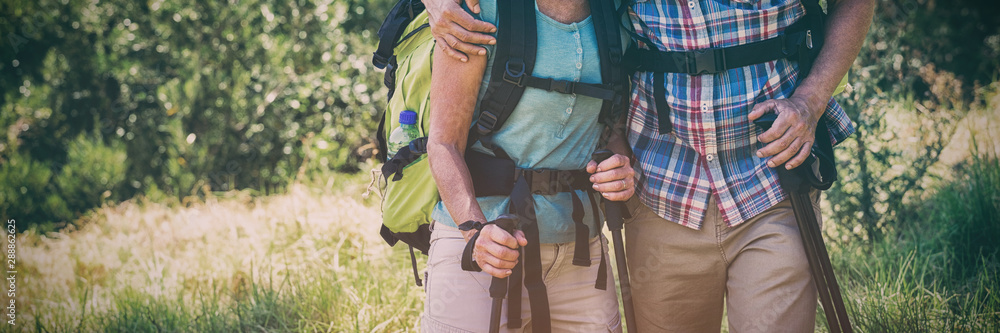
599,91
712,61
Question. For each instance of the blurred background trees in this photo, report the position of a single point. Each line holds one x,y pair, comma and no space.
106,100
924,66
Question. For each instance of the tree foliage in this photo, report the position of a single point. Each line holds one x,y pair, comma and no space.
922,67
197,94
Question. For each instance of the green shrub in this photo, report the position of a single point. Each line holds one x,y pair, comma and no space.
26,195
92,174
33,194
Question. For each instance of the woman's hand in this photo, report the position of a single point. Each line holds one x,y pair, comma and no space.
496,250
613,177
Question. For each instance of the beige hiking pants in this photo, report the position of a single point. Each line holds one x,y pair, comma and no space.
459,301
681,276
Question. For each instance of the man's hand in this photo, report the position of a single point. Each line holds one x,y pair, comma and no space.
790,138
614,177
495,249
455,30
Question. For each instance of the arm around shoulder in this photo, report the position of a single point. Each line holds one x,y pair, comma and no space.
455,31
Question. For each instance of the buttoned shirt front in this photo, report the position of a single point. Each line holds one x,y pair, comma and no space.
711,148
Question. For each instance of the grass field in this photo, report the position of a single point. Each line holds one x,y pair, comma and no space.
310,260
307,260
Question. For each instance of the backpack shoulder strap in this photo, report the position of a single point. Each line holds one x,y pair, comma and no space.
517,43
513,66
392,29
607,27
814,23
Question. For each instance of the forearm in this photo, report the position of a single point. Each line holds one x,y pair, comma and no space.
846,28
454,88
454,183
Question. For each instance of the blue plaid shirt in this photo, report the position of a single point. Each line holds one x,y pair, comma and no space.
711,148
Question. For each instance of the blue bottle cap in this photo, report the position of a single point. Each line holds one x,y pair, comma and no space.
407,117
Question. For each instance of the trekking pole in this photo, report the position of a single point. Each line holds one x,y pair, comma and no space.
798,183
498,287
613,214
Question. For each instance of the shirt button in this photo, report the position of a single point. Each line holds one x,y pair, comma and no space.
710,157
691,4
569,110
579,50
577,35
579,65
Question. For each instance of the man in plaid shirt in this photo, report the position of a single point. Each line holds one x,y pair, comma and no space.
711,226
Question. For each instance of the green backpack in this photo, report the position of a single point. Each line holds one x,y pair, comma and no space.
408,201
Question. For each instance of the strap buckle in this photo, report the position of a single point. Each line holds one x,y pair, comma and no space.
561,86
418,146
543,182
547,182
708,61
514,76
487,120
379,60
390,73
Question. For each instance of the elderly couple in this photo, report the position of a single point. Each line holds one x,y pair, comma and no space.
709,228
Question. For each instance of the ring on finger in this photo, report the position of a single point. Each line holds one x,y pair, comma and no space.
624,184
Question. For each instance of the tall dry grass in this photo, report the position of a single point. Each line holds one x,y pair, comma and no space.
308,260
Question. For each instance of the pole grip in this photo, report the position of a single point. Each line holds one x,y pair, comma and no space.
601,155
498,286
613,210
507,222
616,221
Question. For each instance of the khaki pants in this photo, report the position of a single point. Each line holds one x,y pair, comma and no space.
681,276
459,301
